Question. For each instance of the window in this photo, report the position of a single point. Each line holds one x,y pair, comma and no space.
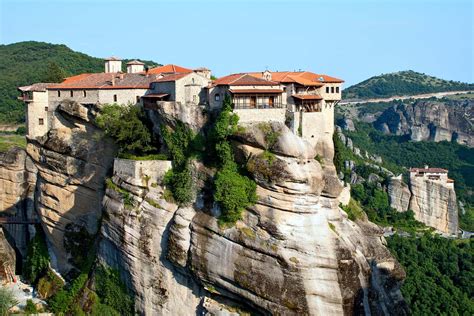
72,93
59,94
41,121
337,89
138,99
217,97
115,98
84,93
192,80
46,109
332,89
327,89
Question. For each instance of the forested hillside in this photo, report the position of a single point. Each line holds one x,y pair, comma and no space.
402,83
24,63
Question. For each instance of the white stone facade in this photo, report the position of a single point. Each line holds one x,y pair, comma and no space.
37,114
141,172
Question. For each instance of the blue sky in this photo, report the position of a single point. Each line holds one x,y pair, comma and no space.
352,40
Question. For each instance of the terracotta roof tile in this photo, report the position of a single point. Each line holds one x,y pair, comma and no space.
169,69
243,79
171,77
299,76
106,81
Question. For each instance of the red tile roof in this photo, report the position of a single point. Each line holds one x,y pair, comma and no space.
307,97
243,79
106,81
169,69
268,91
171,77
301,77
428,170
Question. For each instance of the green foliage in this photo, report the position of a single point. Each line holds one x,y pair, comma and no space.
21,130
49,285
7,301
25,63
271,136
180,183
127,197
54,73
65,299
353,209
375,203
233,192
466,218
9,140
78,243
144,157
125,124
402,83
267,168
112,291
30,307
440,274
37,259
182,144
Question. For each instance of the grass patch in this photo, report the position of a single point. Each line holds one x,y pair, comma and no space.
144,157
8,141
153,203
127,197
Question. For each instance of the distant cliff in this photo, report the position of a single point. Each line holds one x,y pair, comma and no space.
434,120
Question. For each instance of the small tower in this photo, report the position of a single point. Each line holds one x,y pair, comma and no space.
113,64
135,66
203,71
267,75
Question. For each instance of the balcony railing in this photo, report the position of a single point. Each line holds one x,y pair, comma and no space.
242,106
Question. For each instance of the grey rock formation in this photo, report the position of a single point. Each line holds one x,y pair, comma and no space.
17,188
72,163
434,204
399,194
431,120
7,259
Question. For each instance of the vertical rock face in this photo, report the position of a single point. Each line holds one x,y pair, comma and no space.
431,120
434,204
72,162
17,187
399,194
7,259
293,253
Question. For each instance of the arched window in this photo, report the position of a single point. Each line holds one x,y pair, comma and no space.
217,97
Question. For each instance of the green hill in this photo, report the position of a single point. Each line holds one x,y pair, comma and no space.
402,83
25,63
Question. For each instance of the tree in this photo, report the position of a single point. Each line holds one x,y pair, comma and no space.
54,73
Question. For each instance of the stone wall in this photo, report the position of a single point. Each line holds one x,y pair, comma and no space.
261,115
137,172
37,110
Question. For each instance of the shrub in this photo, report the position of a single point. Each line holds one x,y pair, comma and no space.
233,192
125,125
180,184
21,130
49,285
271,136
7,301
37,258
112,291
353,209
144,157
30,307
127,198
64,300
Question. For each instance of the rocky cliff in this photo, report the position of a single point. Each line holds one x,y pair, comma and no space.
433,202
294,252
431,120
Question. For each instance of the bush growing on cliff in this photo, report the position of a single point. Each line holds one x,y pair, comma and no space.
7,301
37,258
112,291
125,124
232,190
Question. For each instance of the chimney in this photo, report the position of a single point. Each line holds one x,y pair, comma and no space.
135,66
203,71
113,64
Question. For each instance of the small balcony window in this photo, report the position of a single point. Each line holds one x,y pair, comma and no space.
327,89
115,98
46,109
72,93
332,89
84,93
337,89
59,93
41,121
